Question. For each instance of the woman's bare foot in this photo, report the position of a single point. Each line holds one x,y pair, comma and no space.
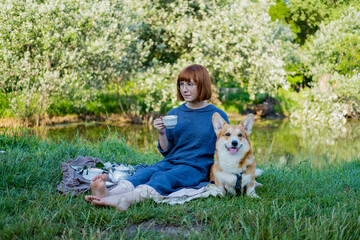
116,201
99,176
90,198
98,186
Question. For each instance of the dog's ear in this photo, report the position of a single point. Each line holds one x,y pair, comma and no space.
248,123
218,122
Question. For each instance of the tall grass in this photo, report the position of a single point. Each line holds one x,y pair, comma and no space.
300,202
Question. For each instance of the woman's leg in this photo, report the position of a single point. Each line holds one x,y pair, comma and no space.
125,200
143,175
98,188
123,195
123,186
180,176
121,201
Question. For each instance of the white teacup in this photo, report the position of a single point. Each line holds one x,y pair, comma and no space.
170,121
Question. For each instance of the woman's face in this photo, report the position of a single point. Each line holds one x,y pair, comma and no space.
189,91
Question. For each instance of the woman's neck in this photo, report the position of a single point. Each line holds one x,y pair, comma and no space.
196,104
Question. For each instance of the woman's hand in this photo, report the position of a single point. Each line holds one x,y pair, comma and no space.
159,125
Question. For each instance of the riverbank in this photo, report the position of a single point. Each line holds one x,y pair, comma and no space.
301,202
264,110
68,119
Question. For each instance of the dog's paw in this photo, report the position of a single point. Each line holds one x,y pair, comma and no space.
230,190
257,184
253,195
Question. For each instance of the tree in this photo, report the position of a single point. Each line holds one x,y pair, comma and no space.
240,43
72,48
332,58
235,40
305,16
64,48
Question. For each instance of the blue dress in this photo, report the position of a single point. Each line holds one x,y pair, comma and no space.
190,153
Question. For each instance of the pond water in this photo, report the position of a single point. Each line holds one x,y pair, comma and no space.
272,140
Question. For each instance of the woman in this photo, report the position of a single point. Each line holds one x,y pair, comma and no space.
188,148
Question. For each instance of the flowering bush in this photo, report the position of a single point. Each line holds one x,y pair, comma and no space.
235,40
334,48
64,48
240,43
318,110
72,48
332,58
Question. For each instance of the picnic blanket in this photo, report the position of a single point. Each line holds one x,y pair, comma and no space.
76,182
73,182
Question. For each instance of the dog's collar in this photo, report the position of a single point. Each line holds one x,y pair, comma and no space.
238,182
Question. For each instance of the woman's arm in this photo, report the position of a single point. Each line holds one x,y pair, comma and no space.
163,141
160,127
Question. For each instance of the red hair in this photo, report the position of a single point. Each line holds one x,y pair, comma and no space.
200,76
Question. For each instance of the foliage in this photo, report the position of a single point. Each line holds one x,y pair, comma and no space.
287,100
104,103
304,19
305,16
71,50
159,84
334,48
319,109
241,44
4,105
234,100
61,107
331,57
149,92
66,47
235,40
347,86
280,11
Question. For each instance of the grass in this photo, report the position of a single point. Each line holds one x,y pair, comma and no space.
300,202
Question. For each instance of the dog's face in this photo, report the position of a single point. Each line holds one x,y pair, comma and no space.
233,139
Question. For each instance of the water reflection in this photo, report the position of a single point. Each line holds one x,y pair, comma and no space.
143,137
276,141
286,144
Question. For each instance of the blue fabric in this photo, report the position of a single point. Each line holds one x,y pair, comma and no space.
190,153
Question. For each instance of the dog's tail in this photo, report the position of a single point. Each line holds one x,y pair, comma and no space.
258,172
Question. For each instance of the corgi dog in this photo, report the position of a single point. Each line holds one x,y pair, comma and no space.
234,161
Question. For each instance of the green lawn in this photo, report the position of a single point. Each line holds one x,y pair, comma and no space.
301,202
